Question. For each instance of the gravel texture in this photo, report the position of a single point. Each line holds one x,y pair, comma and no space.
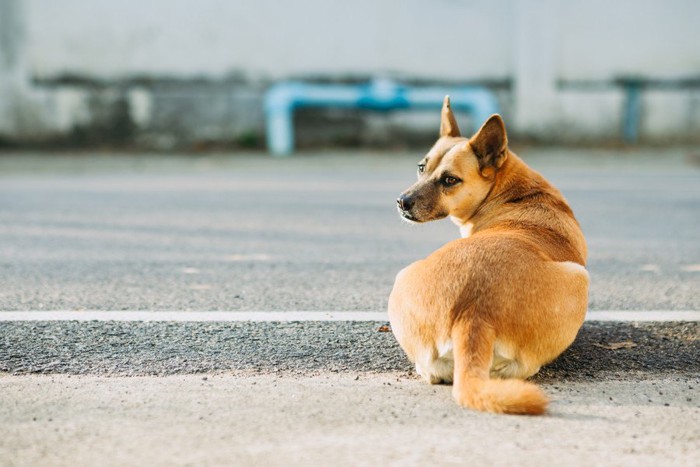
309,348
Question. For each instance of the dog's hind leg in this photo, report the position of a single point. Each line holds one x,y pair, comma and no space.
436,365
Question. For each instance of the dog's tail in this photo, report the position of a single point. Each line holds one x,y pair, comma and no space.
473,388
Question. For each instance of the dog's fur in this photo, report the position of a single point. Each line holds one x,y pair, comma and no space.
488,310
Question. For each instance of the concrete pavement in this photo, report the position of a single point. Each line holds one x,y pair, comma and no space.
336,419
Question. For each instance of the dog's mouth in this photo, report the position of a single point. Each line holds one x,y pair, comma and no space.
407,216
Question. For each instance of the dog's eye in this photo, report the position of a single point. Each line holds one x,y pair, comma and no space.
449,180
421,168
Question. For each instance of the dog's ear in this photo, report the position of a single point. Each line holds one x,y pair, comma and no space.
490,143
448,124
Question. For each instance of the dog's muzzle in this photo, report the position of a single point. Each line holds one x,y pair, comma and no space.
405,204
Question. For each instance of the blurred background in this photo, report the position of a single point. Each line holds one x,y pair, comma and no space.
182,75
135,140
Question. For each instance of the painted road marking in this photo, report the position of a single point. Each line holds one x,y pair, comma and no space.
288,316
195,316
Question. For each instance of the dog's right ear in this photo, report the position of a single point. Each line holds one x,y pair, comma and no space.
490,144
448,124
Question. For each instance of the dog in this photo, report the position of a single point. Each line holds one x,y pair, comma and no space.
486,311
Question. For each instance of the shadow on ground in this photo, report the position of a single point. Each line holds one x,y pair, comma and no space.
618,349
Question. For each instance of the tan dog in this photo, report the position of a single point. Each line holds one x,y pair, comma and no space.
488,310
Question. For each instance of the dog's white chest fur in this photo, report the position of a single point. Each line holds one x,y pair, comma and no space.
465,229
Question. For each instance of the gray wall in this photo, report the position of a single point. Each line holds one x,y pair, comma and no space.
560,58
456,39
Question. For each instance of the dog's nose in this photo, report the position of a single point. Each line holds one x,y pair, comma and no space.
405,203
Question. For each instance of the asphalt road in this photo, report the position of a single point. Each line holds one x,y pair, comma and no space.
319,232
313,348
314,232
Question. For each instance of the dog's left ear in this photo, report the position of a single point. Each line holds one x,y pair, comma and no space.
448,122
490,143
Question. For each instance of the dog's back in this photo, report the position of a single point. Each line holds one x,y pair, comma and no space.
525,205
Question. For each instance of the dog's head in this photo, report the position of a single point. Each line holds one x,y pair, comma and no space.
457,174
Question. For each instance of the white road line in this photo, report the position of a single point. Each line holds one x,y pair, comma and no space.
645,315
195,316
288,316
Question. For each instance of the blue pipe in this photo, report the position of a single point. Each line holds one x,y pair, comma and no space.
283,98
633,110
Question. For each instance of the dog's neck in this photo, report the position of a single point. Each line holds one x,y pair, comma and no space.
502,192
465,227
516,189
